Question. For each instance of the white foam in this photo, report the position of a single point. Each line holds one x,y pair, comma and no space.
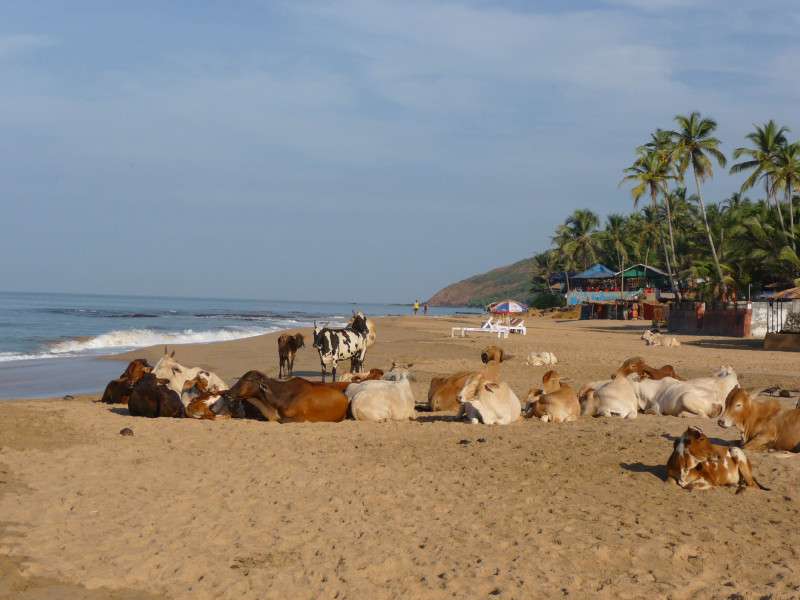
123,340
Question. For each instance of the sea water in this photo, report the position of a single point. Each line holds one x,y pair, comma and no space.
48,342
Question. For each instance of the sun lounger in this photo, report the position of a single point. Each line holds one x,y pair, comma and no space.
518,326
488,327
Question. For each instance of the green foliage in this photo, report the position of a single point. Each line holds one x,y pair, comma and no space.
548,299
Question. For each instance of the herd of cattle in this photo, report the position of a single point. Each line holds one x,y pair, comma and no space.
170,389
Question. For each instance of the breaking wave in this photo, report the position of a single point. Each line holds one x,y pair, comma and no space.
124,340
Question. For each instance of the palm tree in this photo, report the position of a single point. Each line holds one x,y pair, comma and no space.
661,143
615,235
693,146
576,240
650,174
786,176
767,141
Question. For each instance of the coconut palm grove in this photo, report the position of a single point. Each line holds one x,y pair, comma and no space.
710,249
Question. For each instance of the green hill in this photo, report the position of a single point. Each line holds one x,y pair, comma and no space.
512,281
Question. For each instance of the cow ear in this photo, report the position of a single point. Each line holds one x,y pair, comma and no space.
490,387
172,354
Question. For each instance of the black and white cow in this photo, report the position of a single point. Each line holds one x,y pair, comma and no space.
335,345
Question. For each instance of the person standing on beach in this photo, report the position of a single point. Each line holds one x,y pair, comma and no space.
425,308
416,307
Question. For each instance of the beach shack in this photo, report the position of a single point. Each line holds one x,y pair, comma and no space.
598,283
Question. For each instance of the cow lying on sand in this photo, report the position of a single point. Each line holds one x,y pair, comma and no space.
485,399
763,425
555,402
638,365
292,401
625,396
390,399
697,464
202,402
118,391
177,374
153,397
443,391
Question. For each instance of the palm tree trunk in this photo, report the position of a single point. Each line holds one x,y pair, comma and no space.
664,245
708,233
771,195
671,239
791,214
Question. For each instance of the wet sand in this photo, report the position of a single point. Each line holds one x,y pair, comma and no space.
432,508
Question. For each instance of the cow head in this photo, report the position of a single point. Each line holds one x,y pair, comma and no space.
299,340
359,324
737,406
492,353
399,372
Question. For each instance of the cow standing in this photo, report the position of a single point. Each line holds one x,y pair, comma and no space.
288,345
335,345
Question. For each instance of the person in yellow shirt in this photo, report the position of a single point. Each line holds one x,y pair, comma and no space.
416,307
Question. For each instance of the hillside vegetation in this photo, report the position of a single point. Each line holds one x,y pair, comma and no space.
511,281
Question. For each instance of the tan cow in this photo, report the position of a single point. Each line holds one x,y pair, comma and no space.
696,463
555,402
763,425
443,391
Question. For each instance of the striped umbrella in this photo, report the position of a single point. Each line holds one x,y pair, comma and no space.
508,307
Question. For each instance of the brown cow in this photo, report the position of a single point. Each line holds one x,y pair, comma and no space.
152,397
288,345
555,402
443,391
373,374
118,391
696,463
640,367
763,425
293,401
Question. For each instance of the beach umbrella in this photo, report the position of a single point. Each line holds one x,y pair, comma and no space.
508,307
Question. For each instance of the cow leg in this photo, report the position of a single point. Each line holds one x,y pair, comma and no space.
334,372
759,443
291,364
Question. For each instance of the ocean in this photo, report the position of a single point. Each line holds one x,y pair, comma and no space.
49,342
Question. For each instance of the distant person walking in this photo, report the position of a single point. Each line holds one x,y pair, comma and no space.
416,307
425,308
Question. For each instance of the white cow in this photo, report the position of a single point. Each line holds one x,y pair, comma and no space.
484,400
388,399
177,375
703,397
610,398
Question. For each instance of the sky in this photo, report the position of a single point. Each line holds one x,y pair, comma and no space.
355,150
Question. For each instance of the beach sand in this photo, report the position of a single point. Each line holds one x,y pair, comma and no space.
432,508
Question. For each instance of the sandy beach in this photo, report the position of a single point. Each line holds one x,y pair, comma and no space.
433,508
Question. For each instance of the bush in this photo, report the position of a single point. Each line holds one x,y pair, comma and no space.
792,323
548,299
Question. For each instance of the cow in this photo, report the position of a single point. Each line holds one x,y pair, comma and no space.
555,402
202,402
696,463
390,399
443,391
644,371
292,401
615,397
541,359
702,397
494,353
658,339
359,377
335,345
485,400
288,345
177,375
118,391
153,397
763,425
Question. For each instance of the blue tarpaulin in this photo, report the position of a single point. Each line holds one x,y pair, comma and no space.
597,271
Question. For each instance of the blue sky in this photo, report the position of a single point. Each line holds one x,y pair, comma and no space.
353,150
